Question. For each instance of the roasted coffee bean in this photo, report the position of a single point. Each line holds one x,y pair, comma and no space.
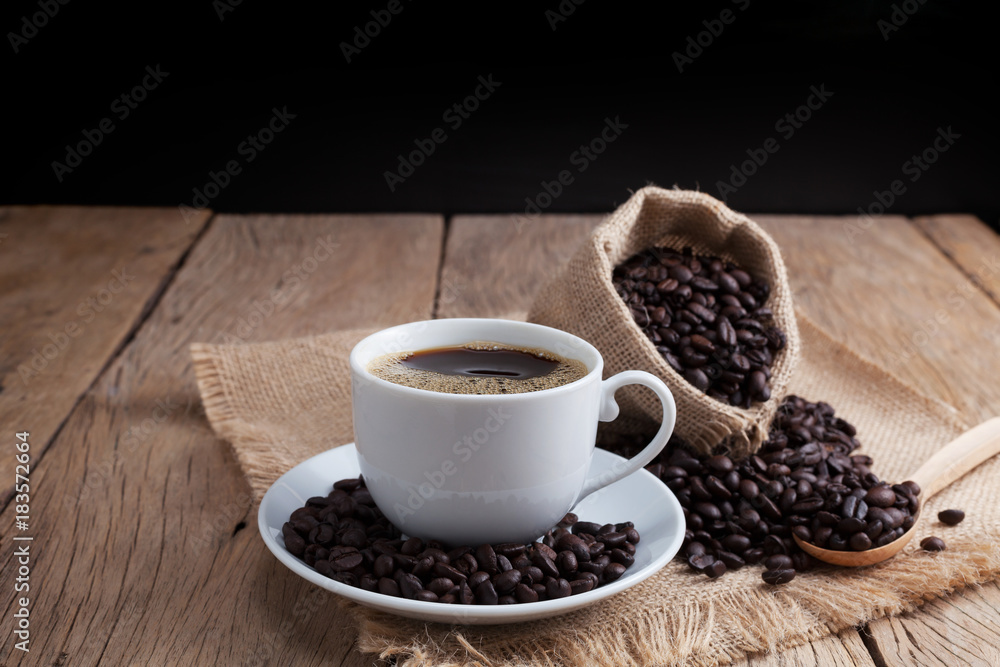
524,594
387,586
860,542
477,578
732,561
706,322
545,564
486,593
778,577
880,496
410,585
566,561
347,561
850,525
715,570
558,588
295,544
778,562
585,527
951,517
506,582
932,544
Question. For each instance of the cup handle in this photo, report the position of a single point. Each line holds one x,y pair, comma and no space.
609,411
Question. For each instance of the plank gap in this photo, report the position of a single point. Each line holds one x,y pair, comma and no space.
872,646
147,310
440,269
973,278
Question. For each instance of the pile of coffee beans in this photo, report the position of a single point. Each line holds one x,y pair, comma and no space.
804,481
707,317
344,536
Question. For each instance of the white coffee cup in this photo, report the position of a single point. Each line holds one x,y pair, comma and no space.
471,469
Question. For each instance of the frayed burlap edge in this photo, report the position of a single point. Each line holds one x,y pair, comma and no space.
581,299
764,619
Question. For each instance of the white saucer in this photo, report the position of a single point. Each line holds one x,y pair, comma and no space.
639,498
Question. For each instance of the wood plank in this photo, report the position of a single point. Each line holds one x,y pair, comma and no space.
971,245
877,291
121,578
843,650
74,284
890,295
961,629
494,264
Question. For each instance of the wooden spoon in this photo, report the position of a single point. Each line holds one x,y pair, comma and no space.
947,465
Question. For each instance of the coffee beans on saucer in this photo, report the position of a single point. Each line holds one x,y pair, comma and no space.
344,536
708,319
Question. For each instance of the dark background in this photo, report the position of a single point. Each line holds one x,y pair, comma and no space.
605,60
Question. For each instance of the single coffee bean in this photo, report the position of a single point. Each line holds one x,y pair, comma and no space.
558,588
410,585
860,542
566,561
525,594
388,586
932,544
486,557
584,527
731,560
506,582
951,517
715,570
850,526
486,593
778,577
880,496
778,562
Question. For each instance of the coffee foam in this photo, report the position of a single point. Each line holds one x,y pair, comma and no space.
389,368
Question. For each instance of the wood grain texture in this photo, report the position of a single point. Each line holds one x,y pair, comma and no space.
148,553
843,650
970,244
495,264
74,283
889,294
882,292
961,629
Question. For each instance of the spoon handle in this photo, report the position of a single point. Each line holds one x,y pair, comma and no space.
958,457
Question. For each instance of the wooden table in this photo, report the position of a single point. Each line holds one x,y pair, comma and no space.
145,550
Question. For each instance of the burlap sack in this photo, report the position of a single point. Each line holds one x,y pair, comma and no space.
280,403
581,299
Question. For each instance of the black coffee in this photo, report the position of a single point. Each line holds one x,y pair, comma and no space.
478,368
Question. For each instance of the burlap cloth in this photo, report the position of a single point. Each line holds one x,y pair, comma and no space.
280,403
